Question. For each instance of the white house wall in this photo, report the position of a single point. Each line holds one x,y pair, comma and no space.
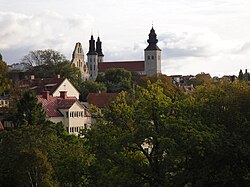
67,86
74,123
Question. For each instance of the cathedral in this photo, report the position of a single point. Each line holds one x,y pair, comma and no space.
95,64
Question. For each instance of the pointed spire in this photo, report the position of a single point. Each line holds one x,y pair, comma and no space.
99,47
92,46
152,41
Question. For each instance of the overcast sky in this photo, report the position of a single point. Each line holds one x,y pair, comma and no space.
195,36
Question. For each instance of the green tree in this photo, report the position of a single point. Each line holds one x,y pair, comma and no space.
164,82
24,157
4,81
49,63
117,80
140,137
200,79
29,111
72,164
91,87
224,108
43,57
65,69
43,155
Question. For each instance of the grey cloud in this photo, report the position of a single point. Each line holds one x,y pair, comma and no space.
188,44
21,32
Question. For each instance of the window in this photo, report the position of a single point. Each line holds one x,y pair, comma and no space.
94,67
90,67
152,57
159,57
90,59
67,114
67,129
148,57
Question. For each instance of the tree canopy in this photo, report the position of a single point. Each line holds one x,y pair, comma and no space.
29,111
49,63
43,57
116,80
198,140
87,87
4,81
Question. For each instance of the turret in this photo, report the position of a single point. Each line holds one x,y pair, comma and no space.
92,59
99,50
152,55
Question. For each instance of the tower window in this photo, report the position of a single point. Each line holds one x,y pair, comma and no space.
148,57
94,67
152,57
90,67
159,58
90,59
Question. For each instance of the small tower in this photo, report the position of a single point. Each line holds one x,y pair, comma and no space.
99,50
78,61
92,59
152,55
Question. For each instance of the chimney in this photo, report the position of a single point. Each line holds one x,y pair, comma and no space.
45,95
63,94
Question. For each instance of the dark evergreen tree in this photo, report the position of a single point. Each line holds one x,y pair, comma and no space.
29,111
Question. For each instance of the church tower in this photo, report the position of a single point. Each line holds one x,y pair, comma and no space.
99,50
92,59
78,61
152,55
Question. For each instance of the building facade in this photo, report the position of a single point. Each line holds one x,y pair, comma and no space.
151,64
66,109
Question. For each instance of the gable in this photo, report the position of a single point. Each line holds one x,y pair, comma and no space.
76,106
66,86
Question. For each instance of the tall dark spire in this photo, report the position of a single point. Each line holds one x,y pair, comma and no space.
152,41
92,46
99,47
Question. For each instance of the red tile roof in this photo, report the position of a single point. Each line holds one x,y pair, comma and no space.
101,100
38,85
53,104
128,65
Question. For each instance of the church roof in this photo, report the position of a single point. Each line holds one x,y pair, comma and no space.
152,41
128,65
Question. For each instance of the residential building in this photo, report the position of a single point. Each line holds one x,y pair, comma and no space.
66,109
53,85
